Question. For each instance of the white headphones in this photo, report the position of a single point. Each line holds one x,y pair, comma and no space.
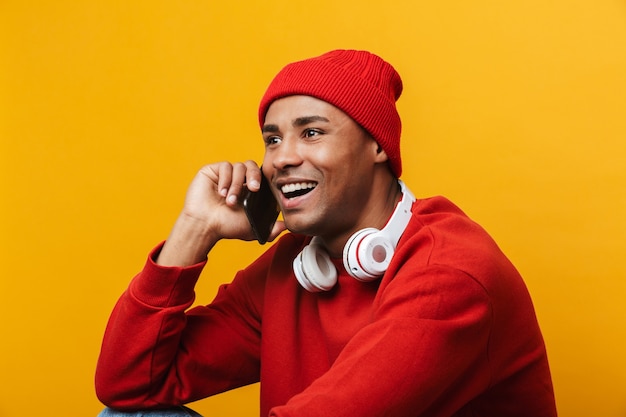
366,255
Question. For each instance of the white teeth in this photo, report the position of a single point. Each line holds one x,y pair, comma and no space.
290,188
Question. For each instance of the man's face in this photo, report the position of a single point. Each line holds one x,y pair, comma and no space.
321,166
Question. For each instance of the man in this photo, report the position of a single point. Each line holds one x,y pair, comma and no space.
437,322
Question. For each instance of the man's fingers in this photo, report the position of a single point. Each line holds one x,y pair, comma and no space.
253,175
234,178
236,184
224,178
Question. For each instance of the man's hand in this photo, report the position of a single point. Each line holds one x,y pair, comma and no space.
213,211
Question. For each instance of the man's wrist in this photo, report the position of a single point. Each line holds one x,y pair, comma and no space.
188,244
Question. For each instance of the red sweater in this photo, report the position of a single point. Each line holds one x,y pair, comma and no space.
450,330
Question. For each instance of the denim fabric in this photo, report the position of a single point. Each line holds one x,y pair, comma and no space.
173,412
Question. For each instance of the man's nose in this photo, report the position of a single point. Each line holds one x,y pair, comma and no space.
286,154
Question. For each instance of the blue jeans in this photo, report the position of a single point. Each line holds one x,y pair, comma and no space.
172,412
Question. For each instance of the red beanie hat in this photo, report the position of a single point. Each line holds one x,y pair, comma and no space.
361,84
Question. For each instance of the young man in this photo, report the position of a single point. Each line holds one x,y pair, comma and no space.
375,304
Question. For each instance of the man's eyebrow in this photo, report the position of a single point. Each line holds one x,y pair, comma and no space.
269,129
300,121
305,120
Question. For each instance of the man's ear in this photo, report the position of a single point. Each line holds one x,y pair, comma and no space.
381,155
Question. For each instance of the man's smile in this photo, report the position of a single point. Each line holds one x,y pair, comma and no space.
297,189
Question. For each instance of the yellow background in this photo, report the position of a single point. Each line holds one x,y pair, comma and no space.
514,109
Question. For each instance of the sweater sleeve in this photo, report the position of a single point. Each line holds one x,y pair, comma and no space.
423,354
156,354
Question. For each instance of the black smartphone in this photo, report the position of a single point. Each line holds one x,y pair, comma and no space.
262,210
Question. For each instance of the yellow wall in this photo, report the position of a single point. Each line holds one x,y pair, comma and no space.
514,109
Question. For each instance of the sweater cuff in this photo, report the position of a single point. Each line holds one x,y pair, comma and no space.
165,286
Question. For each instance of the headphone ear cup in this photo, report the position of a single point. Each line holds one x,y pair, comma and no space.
367,254
314,270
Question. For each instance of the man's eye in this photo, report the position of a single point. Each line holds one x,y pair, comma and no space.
272,140
309,133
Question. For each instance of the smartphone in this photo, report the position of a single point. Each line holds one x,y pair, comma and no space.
262,210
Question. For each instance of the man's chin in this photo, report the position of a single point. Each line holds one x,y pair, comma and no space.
300,228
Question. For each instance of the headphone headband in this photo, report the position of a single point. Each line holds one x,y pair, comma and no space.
401,215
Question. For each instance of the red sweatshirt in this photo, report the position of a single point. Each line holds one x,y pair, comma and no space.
449,330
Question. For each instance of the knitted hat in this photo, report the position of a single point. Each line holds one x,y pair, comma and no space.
361,84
